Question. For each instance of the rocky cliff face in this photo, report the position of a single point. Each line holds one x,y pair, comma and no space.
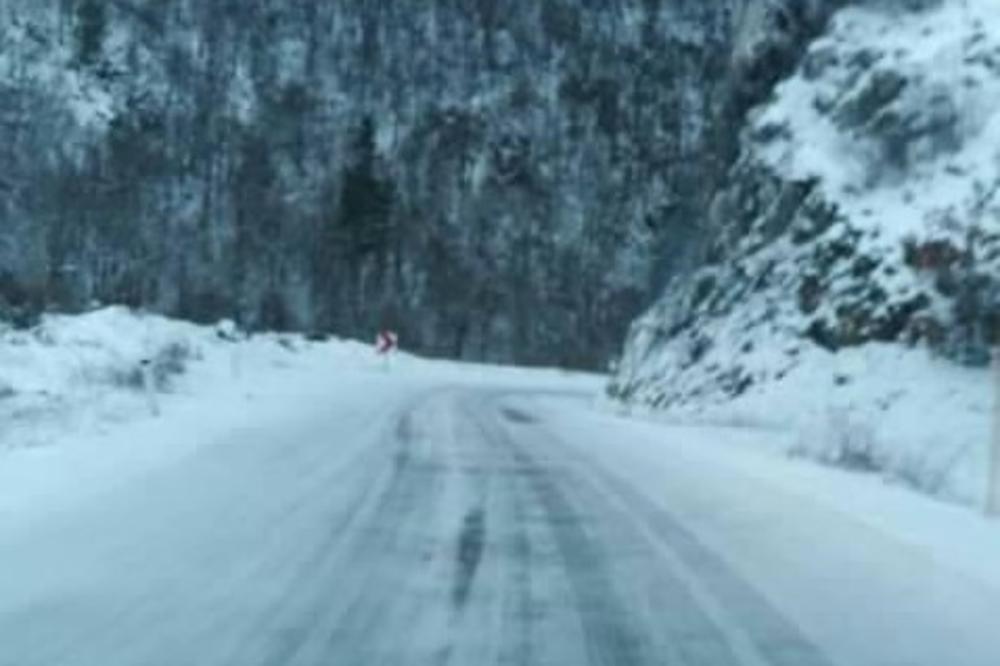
864,207
510,181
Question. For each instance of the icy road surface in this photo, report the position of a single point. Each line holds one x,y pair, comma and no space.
472,527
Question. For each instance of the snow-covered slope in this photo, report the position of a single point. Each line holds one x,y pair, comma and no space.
71,377
199,142
858,254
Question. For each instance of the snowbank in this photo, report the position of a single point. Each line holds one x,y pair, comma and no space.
76,417
78,374
915,419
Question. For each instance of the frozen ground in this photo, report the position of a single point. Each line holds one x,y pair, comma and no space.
314,508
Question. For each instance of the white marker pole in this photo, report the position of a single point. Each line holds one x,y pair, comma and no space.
993,484
148,386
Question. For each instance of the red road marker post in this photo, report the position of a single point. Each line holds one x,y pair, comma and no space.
386,344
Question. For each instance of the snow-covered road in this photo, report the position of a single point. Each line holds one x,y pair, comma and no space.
471,526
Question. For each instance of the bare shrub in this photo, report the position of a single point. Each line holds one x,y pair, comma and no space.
6,391
129,378
927,470
166,364
845,440
170,362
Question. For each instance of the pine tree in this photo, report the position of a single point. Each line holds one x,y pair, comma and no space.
91,29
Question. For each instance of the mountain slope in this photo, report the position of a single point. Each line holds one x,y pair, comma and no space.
493,183
863,211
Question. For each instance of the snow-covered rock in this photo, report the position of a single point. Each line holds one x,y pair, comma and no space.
859,227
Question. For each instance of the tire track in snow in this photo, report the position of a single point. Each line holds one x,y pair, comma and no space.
611,637
756,633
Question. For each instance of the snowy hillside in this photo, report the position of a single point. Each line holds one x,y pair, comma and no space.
279,164
856,279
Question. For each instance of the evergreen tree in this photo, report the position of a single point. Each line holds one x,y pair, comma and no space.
366,200
91,29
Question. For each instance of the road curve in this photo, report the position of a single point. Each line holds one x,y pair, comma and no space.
455,530
460,527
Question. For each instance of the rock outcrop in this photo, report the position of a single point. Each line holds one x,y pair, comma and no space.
864,207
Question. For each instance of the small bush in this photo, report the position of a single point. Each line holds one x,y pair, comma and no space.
848,441
129,378
6,391
853,444
170,362
845,441
926,472
288,343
